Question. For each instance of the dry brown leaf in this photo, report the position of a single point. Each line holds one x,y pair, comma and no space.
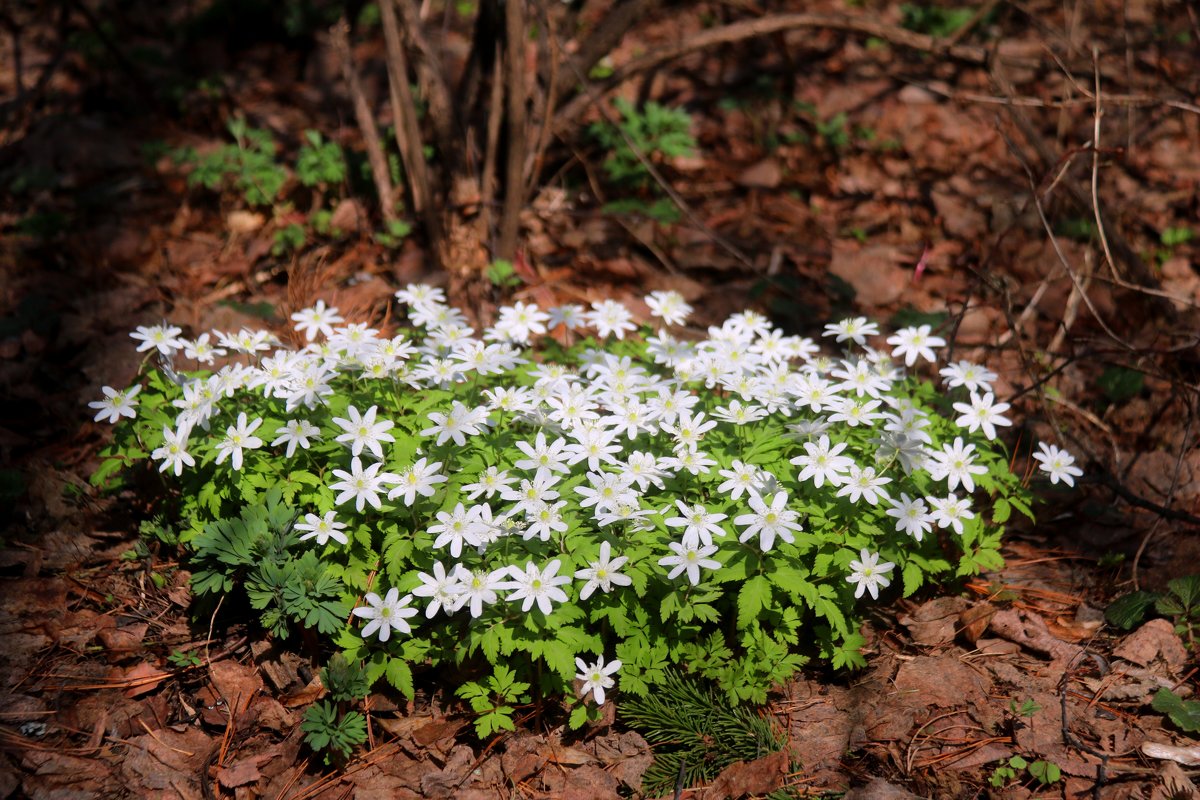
1156,640
242,222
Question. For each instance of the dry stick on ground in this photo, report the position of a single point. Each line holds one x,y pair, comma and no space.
749,29
1024,101
366,122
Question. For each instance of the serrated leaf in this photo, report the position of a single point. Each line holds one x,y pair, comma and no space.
1001,511
914,577
755,595
400,676
1187,589
1128,610
1184,713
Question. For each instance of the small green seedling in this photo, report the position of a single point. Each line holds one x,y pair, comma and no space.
655,132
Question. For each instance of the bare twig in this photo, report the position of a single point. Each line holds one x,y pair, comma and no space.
605,37
492,145
970,24
404,116
439,102
536,156
1096,168
366,121
752,28
514,79
1062,258
1136,267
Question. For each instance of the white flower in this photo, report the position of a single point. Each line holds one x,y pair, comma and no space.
592,444
543,456
442,590
689,429
972,376
690,557
322,529
982,412
695,462
868,574
698,523
912,516
823,463
739,414
456,527
915,342
767,522
610,317
866,484
421,294
173,452
456,424
238,438
956,464
607,491
296,432
537,586
200,350
596,677
386,613
856,330
1059,463
570,316
317,319
419,479
116,404
363,431
669,306
544,520
490,481
603,573
478,588
740,478
949,512
164,338
518,321
363,485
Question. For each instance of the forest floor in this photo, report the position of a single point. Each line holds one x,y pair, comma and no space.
848,173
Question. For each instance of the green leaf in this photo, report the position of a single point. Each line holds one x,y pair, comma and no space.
400,676
914,576
1128,610
1001,511
582,714
1187,589
754,596
1046,772
1184,713
1120,384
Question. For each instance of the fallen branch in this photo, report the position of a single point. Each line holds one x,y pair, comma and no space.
753,28
366,122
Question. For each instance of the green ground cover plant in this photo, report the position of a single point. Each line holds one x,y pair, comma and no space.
537,521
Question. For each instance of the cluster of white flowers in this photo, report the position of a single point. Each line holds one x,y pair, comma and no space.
624,426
